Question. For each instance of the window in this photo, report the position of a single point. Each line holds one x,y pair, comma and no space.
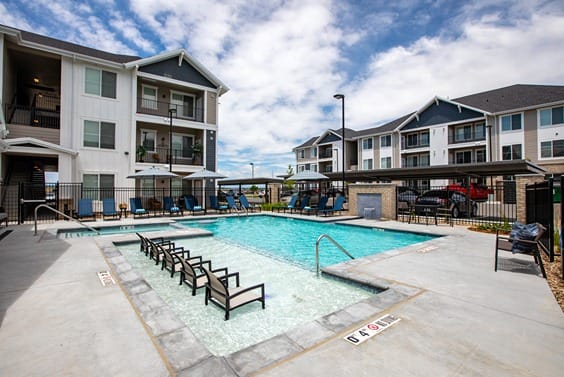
412,161
99,134
149,97
314,152
481,155
511,122
554,148
464,157
98,186
148,140
367,164
302,153
182,146
511,152
386,141
463,133
480,131
100,83
549,117
424,138
424,160
185,104
412,140
367,143
385,163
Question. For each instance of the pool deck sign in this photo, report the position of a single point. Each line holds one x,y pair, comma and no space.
106,278
369,330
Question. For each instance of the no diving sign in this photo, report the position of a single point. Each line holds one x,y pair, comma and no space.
369,330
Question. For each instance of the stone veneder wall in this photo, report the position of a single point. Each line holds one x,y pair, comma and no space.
387,190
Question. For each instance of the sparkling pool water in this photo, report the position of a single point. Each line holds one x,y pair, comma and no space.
83,232
294,240
294,295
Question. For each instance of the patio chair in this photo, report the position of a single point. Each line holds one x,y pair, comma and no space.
219,293
170,207
214,204
292,204
190,205
109,208
304,203
523,239
85,209
321,206
136,208
144,245
231,203
244,202
171,258
337,206
192,274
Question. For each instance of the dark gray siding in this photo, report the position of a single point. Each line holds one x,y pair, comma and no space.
443,113
211,137
329,139
169,68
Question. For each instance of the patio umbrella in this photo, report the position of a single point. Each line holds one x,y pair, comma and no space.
204,174
153,172
308,175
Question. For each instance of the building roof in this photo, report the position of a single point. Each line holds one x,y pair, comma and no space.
385,128
513,97
32,38
308,143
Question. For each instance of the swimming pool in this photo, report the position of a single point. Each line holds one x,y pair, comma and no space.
294,296
120,229
294,240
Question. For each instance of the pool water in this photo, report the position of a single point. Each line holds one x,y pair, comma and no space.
294,295
120,229
294,240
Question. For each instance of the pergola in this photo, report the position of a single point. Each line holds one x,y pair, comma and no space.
240,182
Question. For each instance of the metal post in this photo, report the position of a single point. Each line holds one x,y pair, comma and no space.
342,98
171,113
252,170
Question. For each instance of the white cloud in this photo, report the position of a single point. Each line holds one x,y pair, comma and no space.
485,56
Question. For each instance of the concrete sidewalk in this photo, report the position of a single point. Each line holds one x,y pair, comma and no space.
458,316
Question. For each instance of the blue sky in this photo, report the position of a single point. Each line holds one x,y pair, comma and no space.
284,60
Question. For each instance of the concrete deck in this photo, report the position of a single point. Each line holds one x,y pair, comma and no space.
458,316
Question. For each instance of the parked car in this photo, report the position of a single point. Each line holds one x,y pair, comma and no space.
407,195
455,201
477,192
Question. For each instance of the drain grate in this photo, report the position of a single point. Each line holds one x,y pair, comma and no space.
106,278
369,330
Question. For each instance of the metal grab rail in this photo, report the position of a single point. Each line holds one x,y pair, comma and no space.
58,212
334,243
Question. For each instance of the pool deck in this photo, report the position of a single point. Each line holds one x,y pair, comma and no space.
458,316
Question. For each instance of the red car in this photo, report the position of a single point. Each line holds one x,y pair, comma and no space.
477,192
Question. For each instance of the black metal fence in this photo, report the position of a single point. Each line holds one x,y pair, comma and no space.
540,209
476,204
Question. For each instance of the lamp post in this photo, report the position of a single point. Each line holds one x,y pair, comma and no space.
252,170
342,98
171,113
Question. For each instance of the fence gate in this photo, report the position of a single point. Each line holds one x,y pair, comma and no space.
541,210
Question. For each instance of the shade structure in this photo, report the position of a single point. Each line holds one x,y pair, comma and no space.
153,172
308,175
204,174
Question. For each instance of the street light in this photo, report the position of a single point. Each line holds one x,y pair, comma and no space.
342,98
252,169
171,113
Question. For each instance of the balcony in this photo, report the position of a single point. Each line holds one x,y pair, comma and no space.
43,112
458,139
160,109
162,155
405,145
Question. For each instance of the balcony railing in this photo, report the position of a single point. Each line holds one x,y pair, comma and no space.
404,145
151,107
453,139
454,161
162,155
44,112
326,154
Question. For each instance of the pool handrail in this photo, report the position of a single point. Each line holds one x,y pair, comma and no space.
60,213
334,243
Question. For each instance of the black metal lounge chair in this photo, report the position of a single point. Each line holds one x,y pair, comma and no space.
173,258
337,207
214,204
170,207
136,208
219,293
191,273
523,242
145,246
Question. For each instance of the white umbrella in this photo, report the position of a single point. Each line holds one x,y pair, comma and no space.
204,174
153,172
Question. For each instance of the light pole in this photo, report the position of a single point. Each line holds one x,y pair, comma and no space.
171,113
252,170
342,98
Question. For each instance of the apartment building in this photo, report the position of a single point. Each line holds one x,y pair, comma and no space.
518,122
85,115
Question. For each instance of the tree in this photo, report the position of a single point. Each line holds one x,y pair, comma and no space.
289,184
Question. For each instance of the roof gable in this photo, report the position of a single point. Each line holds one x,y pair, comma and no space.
184,72
438,112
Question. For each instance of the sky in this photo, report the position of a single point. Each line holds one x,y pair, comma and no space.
283,60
